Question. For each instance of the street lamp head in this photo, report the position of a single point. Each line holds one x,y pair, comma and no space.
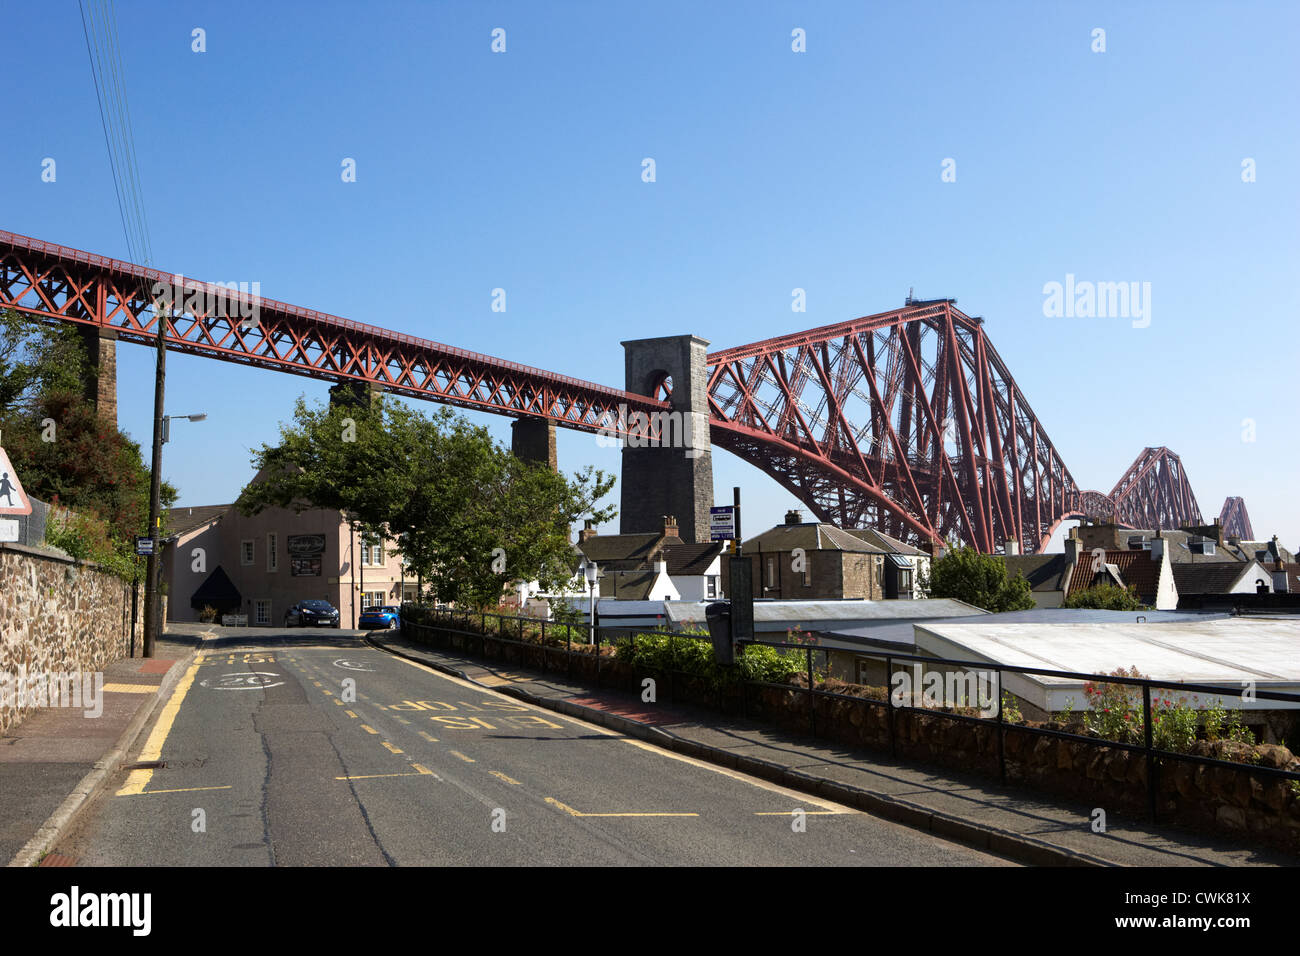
592,573
198,418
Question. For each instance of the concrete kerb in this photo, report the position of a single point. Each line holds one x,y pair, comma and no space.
1014,846
58,823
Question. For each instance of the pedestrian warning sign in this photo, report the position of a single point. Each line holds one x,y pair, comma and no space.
13,500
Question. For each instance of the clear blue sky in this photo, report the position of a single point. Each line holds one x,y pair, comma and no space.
775,170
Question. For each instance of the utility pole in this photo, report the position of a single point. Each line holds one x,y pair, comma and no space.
152,602
740,583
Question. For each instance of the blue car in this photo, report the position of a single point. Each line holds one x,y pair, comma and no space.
389,618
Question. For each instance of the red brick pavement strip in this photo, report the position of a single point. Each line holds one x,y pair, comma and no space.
655,717
155,666
58,859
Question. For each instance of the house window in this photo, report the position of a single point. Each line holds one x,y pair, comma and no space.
771,572
807,571
711,586
262,611
904,581
272,557
372,552
246,552
372,599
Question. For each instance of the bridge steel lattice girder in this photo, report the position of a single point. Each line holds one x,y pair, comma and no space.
55,282
931,380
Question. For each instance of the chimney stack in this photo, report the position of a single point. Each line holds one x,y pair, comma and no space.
1157,546
794,516
1011,548
588,531
670,527
1072,546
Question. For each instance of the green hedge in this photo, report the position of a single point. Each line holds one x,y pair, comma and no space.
694,656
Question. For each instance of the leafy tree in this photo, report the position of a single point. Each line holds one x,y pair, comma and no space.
978,579
468,516
345,457
63,451
1106,597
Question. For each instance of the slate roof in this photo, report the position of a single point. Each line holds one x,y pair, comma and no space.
1206,578
1044,572
178,521
1265,552
883,541
1176,542
627,585
812,536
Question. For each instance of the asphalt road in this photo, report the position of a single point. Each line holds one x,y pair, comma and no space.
270,759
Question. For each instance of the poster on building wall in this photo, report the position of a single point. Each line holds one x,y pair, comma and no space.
304,566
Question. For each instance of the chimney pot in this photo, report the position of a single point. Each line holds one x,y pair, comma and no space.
794,516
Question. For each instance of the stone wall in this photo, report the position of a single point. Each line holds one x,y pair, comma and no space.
58,615
1228,800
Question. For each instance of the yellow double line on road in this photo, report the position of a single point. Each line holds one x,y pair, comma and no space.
420,771
139,779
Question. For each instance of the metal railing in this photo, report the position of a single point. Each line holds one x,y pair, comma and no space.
1153,754
452,622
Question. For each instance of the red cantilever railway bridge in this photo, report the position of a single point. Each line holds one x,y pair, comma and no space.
907,420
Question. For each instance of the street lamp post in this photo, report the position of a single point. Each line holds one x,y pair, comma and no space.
592,572
167,424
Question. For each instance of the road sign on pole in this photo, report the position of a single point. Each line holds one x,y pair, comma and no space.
13,500
722,523
144,546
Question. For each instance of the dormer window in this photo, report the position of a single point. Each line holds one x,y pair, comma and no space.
1201,545
1138,542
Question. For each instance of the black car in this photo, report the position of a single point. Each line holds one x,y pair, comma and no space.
312,614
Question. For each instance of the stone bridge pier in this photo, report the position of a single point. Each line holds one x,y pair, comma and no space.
676,477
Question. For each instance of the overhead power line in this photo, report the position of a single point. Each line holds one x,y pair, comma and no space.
106,69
